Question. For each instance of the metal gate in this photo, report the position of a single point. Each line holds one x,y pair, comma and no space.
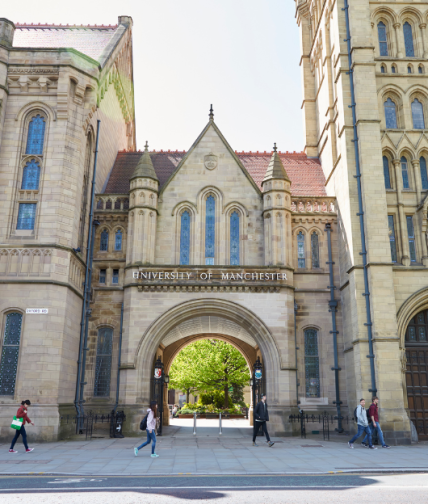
157,387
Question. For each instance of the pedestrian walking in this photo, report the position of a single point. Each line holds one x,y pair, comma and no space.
261,416
363,425
151,426
374,415
22,413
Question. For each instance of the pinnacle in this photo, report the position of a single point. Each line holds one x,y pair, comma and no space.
276,169
145,168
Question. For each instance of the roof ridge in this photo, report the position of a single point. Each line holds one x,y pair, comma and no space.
49,25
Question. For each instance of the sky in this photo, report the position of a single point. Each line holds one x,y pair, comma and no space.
240,55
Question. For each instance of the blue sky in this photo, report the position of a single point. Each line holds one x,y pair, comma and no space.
241,55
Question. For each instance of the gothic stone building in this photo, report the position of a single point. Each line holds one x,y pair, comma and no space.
212,242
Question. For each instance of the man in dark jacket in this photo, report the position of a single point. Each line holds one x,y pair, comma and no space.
261,416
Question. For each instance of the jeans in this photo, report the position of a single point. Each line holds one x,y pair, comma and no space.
150,436
379,433
19,432
256,430
362,429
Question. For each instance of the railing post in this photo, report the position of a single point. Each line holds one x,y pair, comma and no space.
219,421
194,424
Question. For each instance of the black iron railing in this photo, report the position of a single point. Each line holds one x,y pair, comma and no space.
323,418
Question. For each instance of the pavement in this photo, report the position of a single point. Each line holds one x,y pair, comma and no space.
208,453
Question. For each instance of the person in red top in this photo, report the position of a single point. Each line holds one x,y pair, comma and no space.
22,413
373,414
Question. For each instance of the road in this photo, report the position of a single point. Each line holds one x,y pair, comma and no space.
319,489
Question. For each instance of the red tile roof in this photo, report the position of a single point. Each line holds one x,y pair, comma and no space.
90,40
306,175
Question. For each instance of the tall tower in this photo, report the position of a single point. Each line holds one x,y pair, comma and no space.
385,141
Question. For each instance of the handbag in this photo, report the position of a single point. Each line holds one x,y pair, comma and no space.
17,423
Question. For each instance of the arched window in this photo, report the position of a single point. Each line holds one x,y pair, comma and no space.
393,69
315,250
386,173
390,114
185,238
411,236
210,230
382,69
424,177
301,263
10,353
391,232
312,364
383,45
118,240
418,114
36,135
103,363
234,239
408,39
31,176
104,240
420,69
409,69
405,173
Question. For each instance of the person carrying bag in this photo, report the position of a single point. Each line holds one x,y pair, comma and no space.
18,423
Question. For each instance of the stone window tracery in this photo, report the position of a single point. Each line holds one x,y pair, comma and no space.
301,262
234,239
104,241
31,176
118,240
418,114
10,353
210,231
383,44
315,250
103,362
36,135
408,40
312,367
185,238
405,173
390,114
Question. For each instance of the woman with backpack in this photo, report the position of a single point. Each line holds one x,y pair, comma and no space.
22,413
150,421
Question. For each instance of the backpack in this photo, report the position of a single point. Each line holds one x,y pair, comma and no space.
356,416
143,423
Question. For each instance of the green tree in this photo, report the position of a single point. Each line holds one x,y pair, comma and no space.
209,365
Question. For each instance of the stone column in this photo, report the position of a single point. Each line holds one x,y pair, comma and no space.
398,40
423,26
402,224
418,181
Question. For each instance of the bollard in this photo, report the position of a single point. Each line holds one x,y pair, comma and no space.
219,421
194,424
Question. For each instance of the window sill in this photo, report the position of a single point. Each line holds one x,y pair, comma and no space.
313,401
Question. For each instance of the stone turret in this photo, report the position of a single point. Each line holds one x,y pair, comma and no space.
143,202
7,31
277,213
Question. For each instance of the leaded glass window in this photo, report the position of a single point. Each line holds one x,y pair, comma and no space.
36,135
405,173
234,238
118,240
26,216
390,114
418,328
301,263
424,176
391,231
315,250
185,238
103,363
386,173
31,176
210,230
312,367
104,240
383,45
10,353
418,114
411,236
408,40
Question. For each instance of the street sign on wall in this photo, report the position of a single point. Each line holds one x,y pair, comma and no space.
37,311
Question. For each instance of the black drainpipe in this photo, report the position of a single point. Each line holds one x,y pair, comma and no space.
82,352
118,360
360,213
296,307
333,308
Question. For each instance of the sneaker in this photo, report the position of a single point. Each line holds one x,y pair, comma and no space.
372,447
255,444
136,452
365,445
386,446
350,445
13,451
28,450
271,443
155,455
